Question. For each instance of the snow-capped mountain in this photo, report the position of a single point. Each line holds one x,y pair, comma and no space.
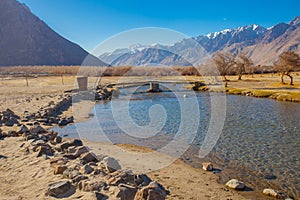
263,45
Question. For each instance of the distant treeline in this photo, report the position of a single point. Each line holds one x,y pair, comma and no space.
117,70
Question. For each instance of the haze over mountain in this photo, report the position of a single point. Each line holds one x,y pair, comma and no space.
26,40
262,45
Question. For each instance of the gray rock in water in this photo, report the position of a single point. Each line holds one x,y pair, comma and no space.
58,189
207,166
110,164
235,184
153,191
271,192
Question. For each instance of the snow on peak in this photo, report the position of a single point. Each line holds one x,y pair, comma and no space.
216,34
254,27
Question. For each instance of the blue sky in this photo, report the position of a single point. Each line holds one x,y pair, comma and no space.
90,22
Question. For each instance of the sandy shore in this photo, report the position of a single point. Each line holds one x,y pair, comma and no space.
27,177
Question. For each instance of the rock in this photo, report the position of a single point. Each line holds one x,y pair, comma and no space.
58,139
142,180
99,196
87,169
207,166
44,150
58,161
270,177
121,176
71,173
59,169
126,192
154,191
11,121
58,189
79,178
23,129
271,192
80,150
64,146
71,149
236,184
88,157
63,122
37,130
110,164
91,185
76,142
12,134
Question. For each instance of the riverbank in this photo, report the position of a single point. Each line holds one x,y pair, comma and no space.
183,181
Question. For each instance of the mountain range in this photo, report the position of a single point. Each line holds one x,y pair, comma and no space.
27,40
262,45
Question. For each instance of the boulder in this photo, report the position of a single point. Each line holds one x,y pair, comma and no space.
207,166
126,192
153,191
59,169
235,184
58,189
271,192
110,164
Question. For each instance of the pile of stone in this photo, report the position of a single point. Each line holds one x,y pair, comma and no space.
8,118
105,92
101,176
50,115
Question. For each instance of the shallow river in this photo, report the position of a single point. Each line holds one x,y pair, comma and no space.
260,137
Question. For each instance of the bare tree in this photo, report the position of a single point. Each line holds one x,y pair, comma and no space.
224,63
243,64
287,63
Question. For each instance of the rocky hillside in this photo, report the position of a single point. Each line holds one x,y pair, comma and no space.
263,45
26,40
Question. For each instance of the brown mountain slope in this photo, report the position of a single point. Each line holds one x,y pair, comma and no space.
26,40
